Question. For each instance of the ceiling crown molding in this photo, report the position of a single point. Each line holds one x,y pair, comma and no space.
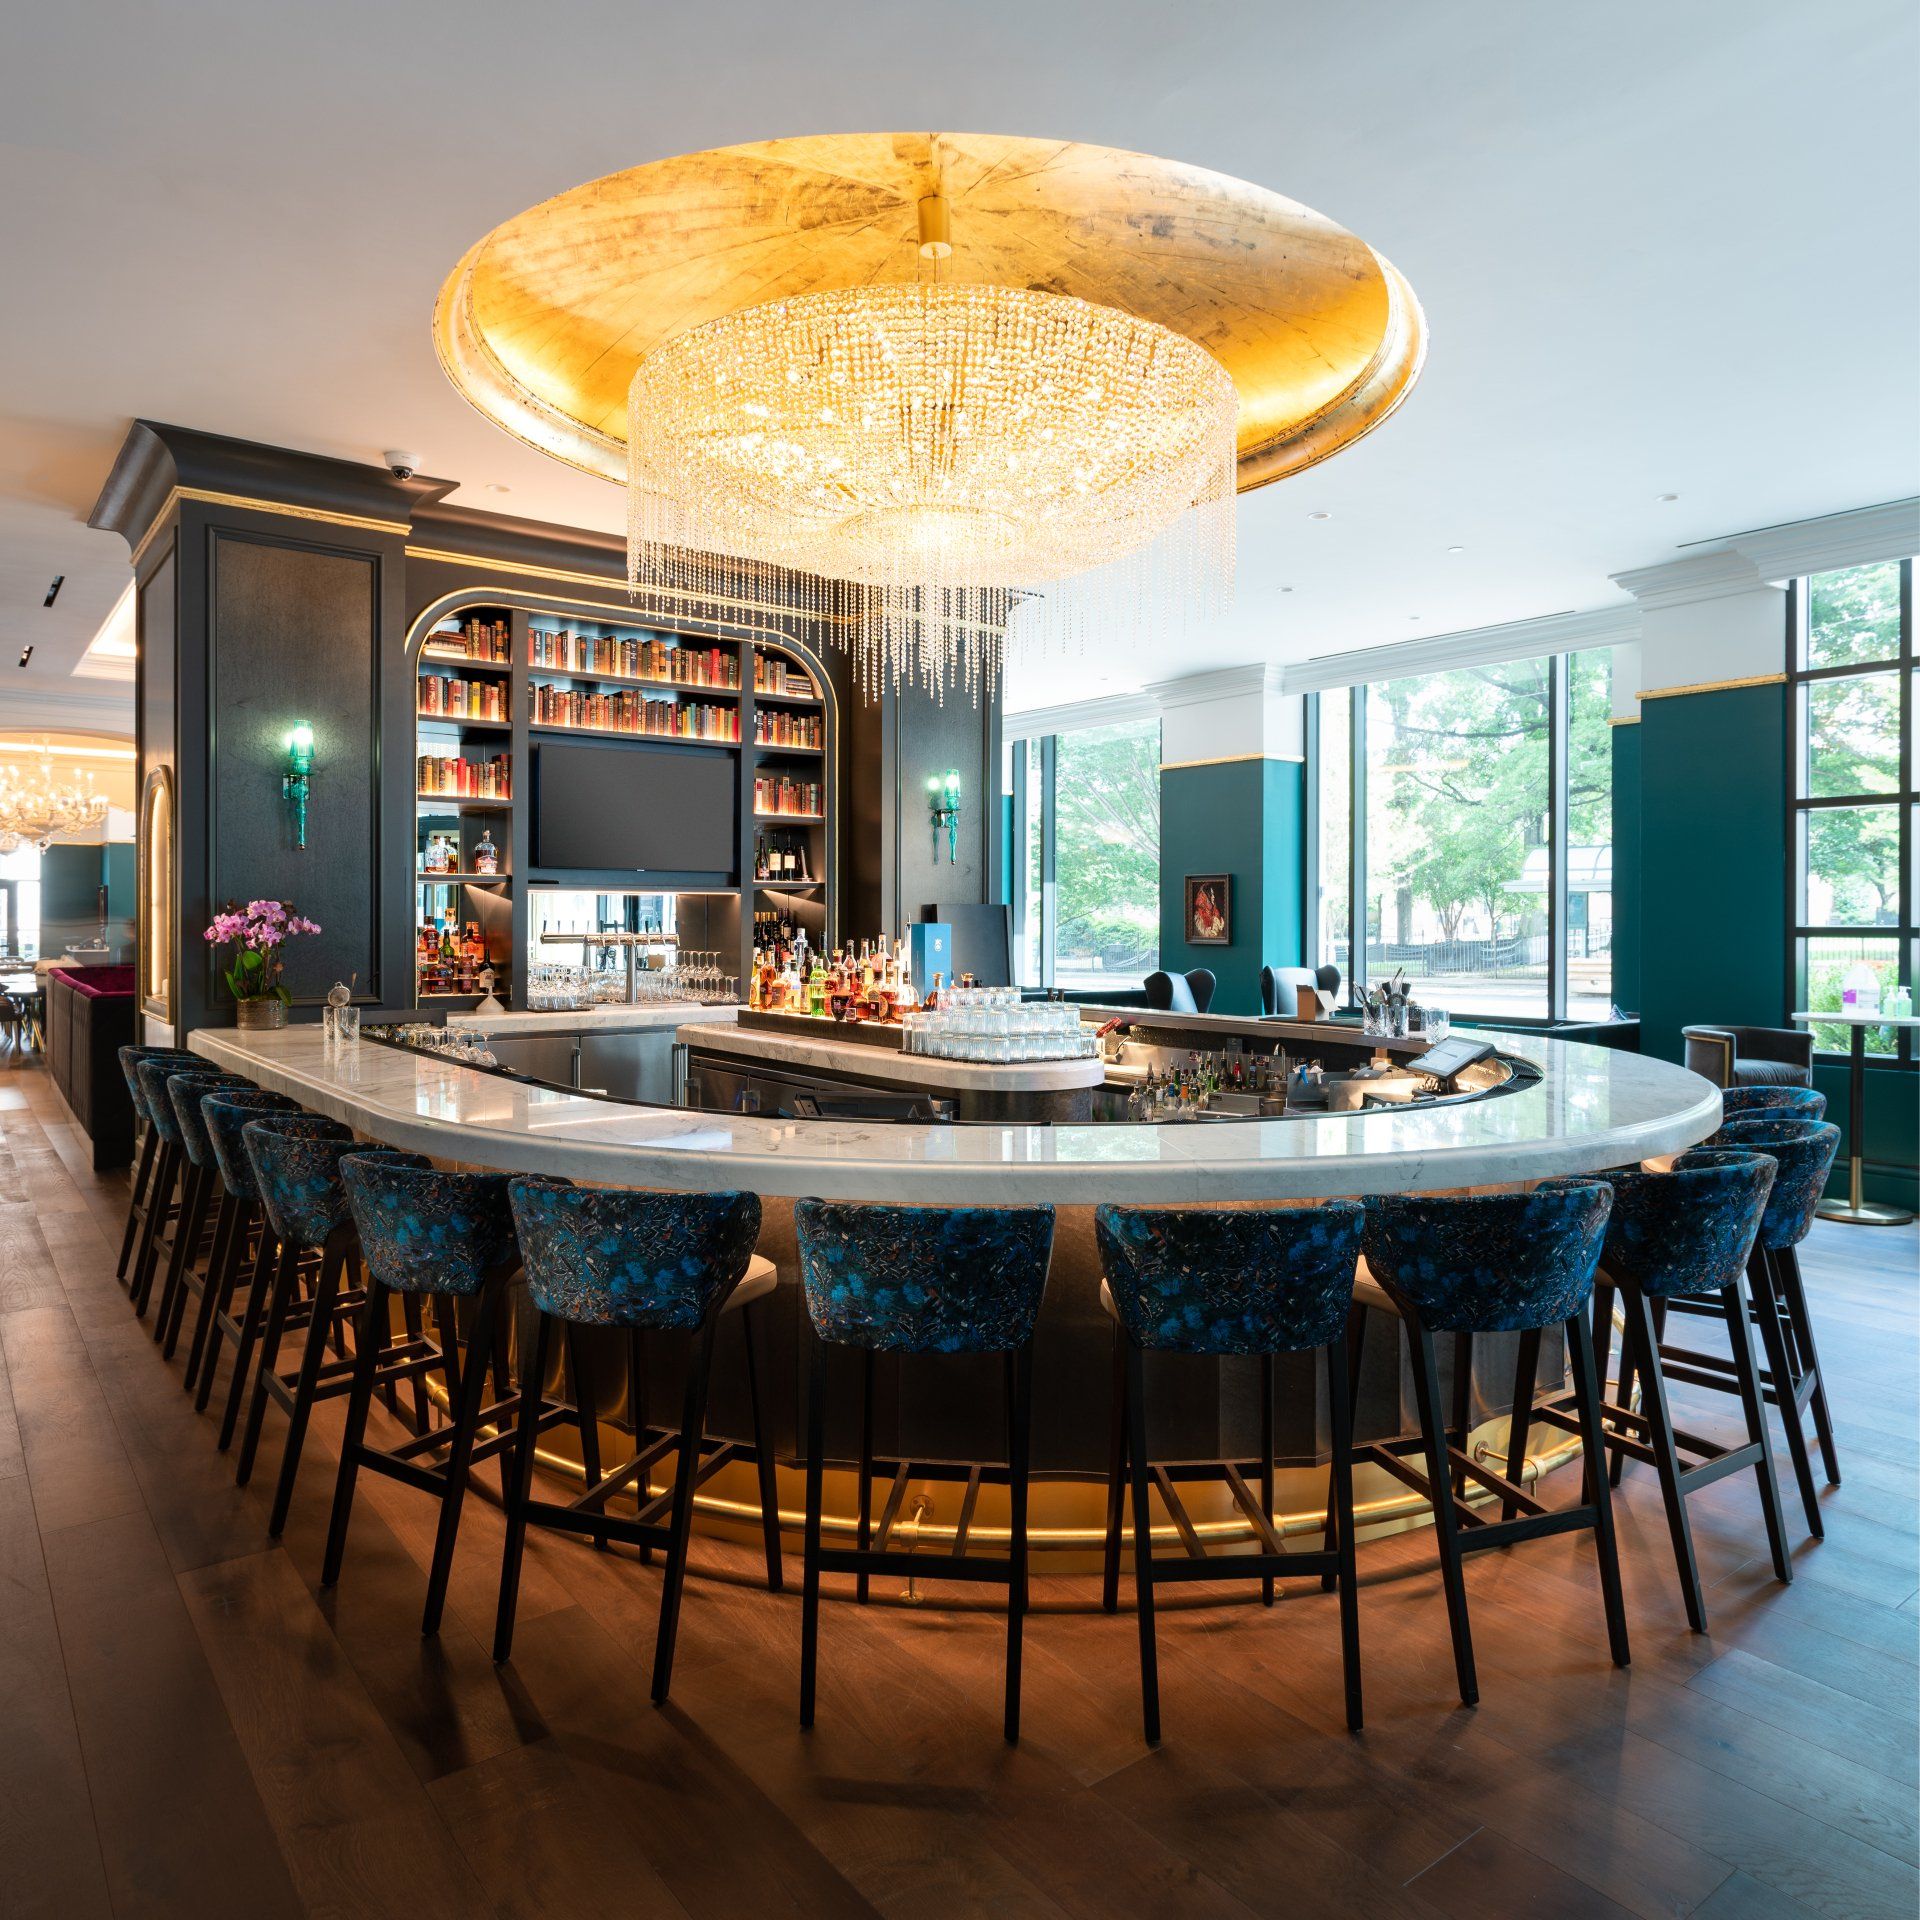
1695,576
1225,683
1472,647
1074,716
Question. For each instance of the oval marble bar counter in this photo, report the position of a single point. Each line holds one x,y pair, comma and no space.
1590,1108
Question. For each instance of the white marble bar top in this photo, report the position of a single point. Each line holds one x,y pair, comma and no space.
603,1019
895,1067
1591,1108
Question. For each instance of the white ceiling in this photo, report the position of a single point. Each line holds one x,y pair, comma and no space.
1662,248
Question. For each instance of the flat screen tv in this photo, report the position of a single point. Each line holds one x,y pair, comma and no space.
650,809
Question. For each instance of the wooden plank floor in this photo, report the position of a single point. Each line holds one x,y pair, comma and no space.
189,1727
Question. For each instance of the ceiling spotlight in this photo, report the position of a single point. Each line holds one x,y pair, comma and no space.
1456,549
1286,589
26,653
1319,516
53,592
1665,499
494,486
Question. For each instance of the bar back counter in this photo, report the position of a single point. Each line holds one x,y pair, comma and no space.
1557,1109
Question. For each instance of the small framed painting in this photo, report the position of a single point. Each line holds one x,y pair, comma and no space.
1209,910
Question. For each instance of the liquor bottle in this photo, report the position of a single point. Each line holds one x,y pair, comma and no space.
486,856
817,989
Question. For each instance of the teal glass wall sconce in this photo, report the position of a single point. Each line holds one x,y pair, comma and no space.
294,782
943,799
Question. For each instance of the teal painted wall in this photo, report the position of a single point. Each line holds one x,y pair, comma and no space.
1713,862
1246,819
1626,867
1709,923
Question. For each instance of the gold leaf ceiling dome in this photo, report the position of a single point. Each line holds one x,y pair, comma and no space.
544,322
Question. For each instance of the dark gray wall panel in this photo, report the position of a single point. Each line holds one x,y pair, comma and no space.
295,636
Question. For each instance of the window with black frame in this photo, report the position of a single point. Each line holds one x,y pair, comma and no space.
1851,664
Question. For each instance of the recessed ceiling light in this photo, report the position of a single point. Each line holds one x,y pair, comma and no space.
53,592
1286,589
1665,499
1319,516
494,486
1456,549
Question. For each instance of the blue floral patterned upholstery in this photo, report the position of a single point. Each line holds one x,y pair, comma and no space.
298,1174
1802,1151
153,1076
1772,1103
924,1279
607,1257
251,1103
185,1091
1688,1231
1489,1263
1231,1280
427,1232
224,1115
130,1058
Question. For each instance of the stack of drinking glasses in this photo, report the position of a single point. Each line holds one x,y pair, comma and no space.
991,1025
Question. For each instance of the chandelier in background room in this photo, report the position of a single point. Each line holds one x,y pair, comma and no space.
947,396
35,806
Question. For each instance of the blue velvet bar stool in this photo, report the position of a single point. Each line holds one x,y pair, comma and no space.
306,1201
227,1131
1254,1282
644,1262
235,1217
139,1191
1803,1154
1678,1235
180,1225
201,1189
446,1238
166,1191
1773,1103
1495,1263
920,1281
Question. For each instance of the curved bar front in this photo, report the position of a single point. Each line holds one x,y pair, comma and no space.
1590,1108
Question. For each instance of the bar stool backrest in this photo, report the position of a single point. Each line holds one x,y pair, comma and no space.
130,1058
153,1076
185,1091
253,1103
1687,1231
1802,1152
1231,1280
226,1115
924,1279
1491,1262
428,1232
298,1174
616,1257
1773,1103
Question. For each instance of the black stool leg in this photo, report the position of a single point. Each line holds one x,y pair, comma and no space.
1666,1459
1462,1405
466,1427
229,1242
1426,1388
693,1424
1142,1545
810,1543
411,1316
1340,1525
166,1175
285,1283
1624,1397
370,1340
137,1199
1602,1366
1019,1428
866,1467
1586,1389
326,1291
1526,1372
1740,1333
527,1436
586,1422
1265,1364
1786,1264
185,1254
763,1454
1766,1313
259,1290
1116,1475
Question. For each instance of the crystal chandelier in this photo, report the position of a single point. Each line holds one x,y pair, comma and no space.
989,466
35,806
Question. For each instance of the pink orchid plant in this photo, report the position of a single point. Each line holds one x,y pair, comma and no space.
257,933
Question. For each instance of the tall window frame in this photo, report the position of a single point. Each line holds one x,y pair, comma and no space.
1559,807
1803,679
